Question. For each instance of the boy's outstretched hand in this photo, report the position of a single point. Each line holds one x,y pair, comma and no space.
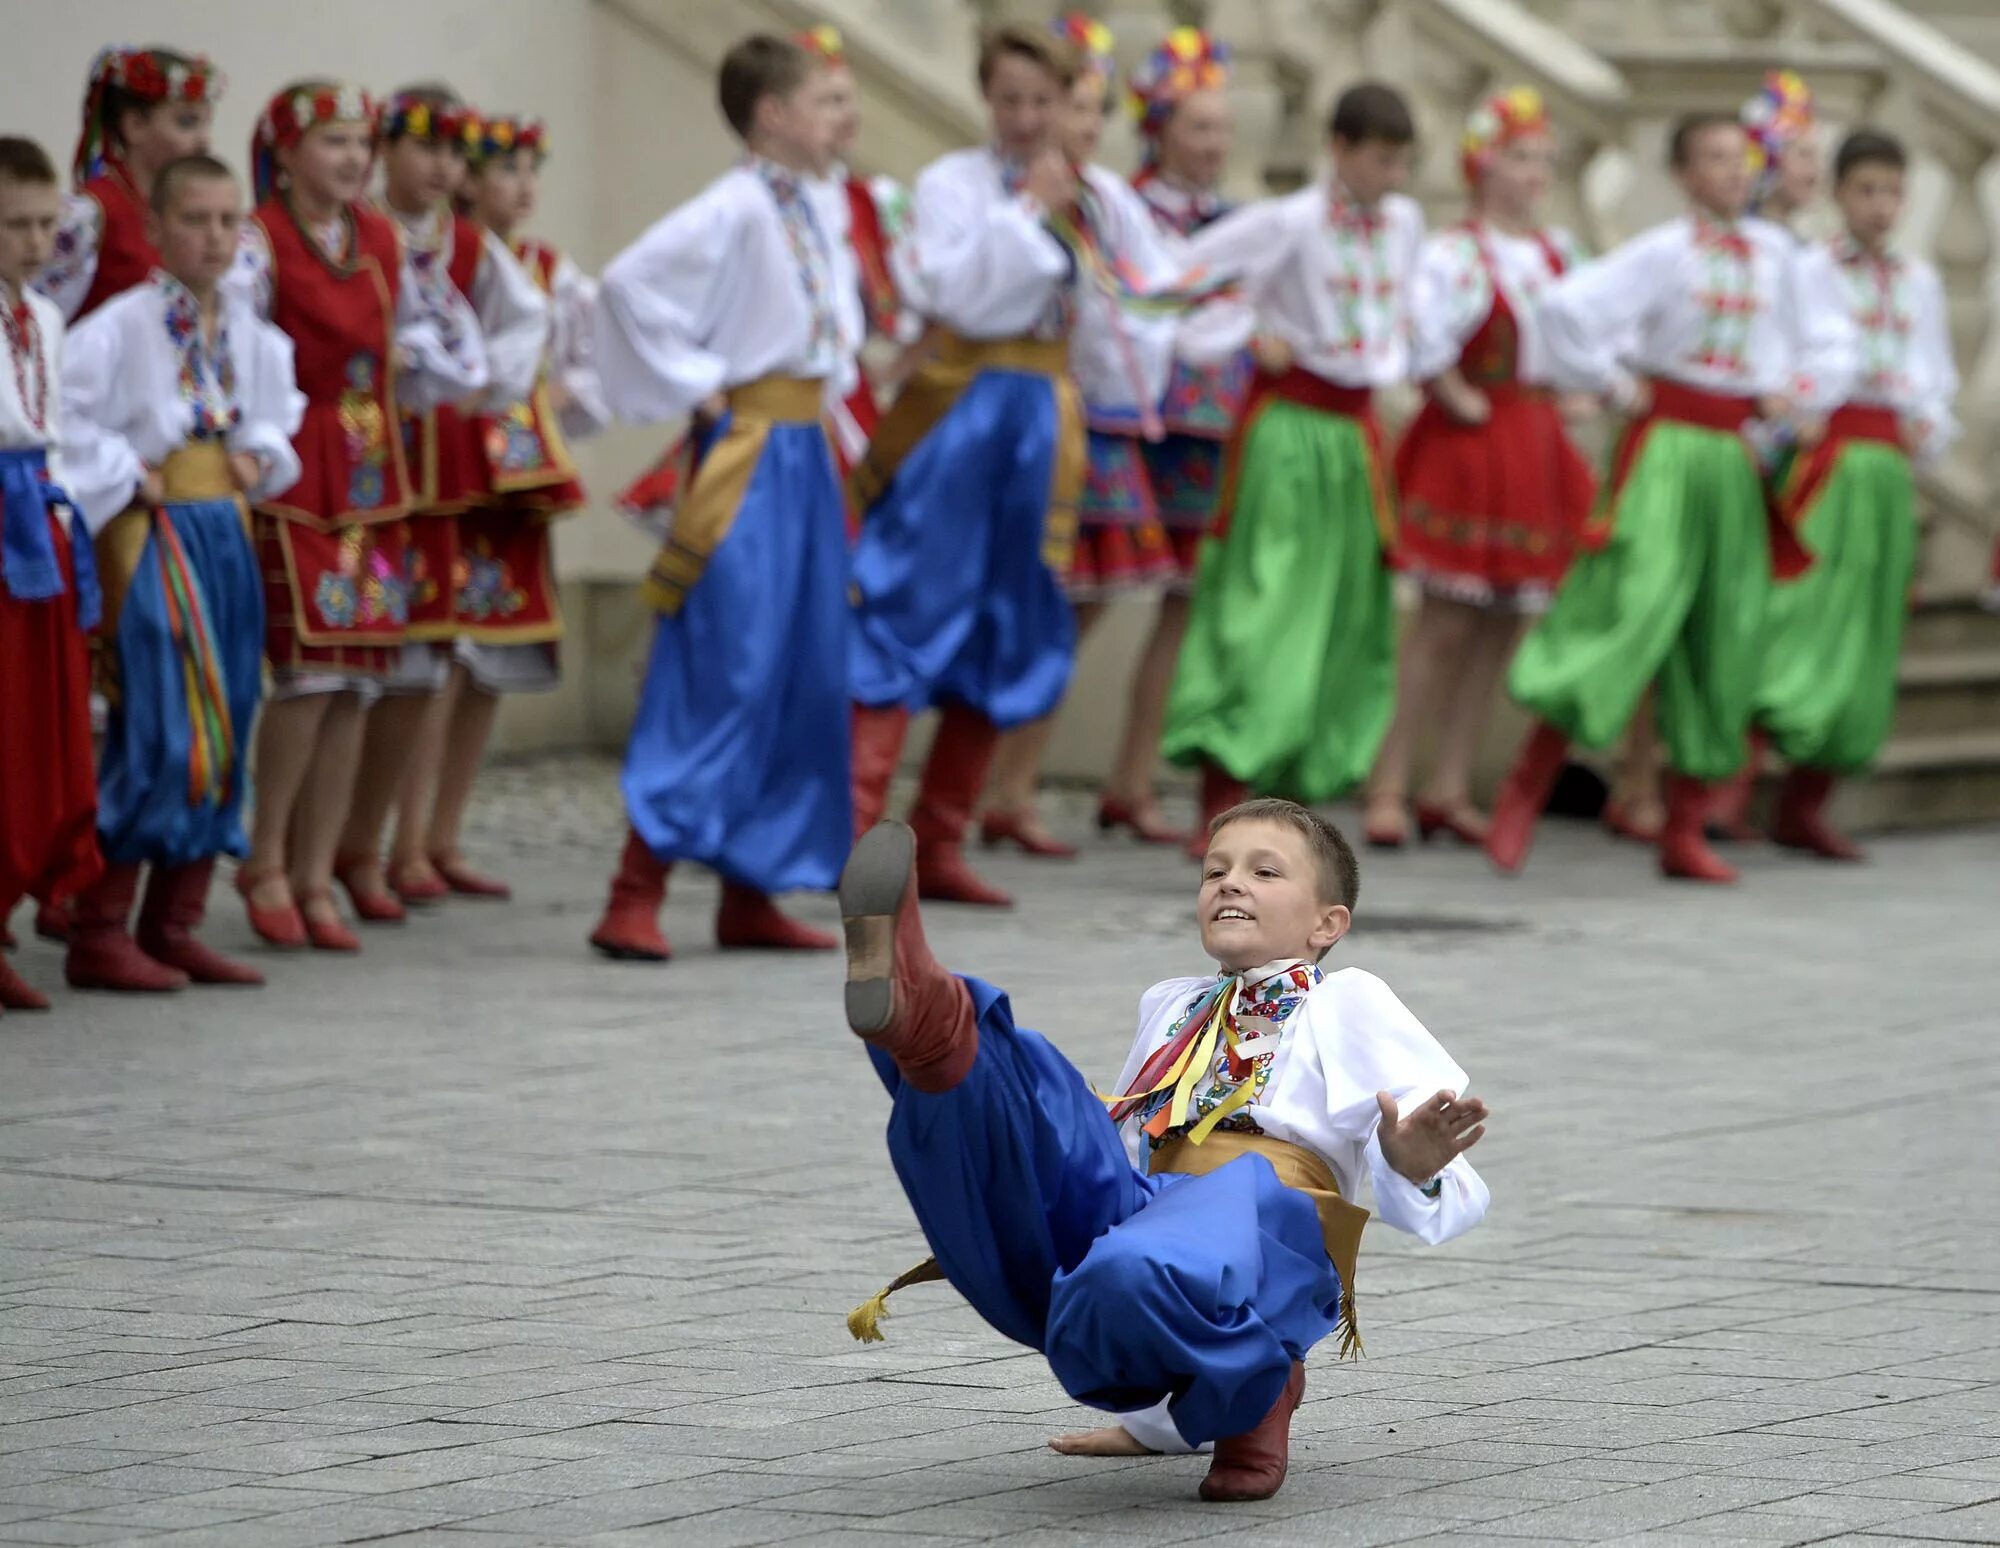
1423,1143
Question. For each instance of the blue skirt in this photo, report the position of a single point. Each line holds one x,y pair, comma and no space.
1202,1290
150,804
954,600
739,755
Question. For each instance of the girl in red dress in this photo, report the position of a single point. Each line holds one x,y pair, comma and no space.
507,611
328,271
143,108
1494,493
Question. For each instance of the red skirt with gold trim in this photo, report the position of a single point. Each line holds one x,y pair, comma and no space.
334,600
1492,513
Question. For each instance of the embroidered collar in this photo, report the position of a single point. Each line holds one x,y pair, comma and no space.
783,181
1186,209
205,368
1343,209
1849,252
1723,236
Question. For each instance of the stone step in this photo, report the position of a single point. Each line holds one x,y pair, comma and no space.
1951,626
1934,781
1945,691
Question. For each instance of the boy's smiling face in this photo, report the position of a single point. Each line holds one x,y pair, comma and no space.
1262,898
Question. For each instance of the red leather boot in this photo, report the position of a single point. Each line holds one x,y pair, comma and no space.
1252,1466
52,921
878,748
898,998
1684,851
747,918
1220,790
630,928
1517,806
1729,799
953,776
176,902
102,955
1800,821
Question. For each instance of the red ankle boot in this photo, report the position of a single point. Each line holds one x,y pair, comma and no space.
878,748
1684,851
1220,790
102,955
1800,820
1729,799
176,901
953,775
747,918
52,921
898,998
630,928
1252,1466
1517,807
16,993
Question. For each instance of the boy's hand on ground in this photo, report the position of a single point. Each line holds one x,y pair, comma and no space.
1424,1142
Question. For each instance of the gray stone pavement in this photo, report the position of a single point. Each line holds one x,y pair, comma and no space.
479,1242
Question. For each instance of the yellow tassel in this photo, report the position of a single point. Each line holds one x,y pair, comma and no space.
1350,1329
865,1321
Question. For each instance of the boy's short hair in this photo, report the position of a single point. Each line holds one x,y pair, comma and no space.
1869,148
23,161
1372,110
1690,127
1333,857
181,171
1037,45
760,66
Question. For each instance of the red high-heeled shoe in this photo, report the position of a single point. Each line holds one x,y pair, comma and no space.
1142,819
1433,819
373,905
329,933
1620,823
997,828
1391,833
281,926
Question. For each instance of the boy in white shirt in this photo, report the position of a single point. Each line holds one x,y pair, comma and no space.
1827,689
1690,329
1175,1259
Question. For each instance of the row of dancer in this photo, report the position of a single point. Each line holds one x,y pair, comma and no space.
1066,321
328,437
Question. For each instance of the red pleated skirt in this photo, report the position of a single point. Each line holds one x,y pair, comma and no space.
1491,514
48,779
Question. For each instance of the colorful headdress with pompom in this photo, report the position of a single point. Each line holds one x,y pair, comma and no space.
1092,41
500,136
1780,113
149,74
1187,61
290,114
1503,117
410,117
824,44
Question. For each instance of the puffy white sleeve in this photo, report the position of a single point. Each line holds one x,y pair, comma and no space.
573,351
55,333
1244,249
101,469
1932,372
656,305
895,210
513,321
250,275
1595,311
1450,295
1819,318
1368,1041
271,406
70,274
443,356
985,266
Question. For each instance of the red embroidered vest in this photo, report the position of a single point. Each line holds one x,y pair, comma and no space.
341,318
124,257
524,446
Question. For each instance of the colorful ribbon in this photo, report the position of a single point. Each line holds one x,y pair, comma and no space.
212,747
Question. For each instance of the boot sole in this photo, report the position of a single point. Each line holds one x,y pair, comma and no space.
629,953
872,885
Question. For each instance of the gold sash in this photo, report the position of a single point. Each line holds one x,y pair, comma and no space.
196,471
1340,1222
951,364
709,508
